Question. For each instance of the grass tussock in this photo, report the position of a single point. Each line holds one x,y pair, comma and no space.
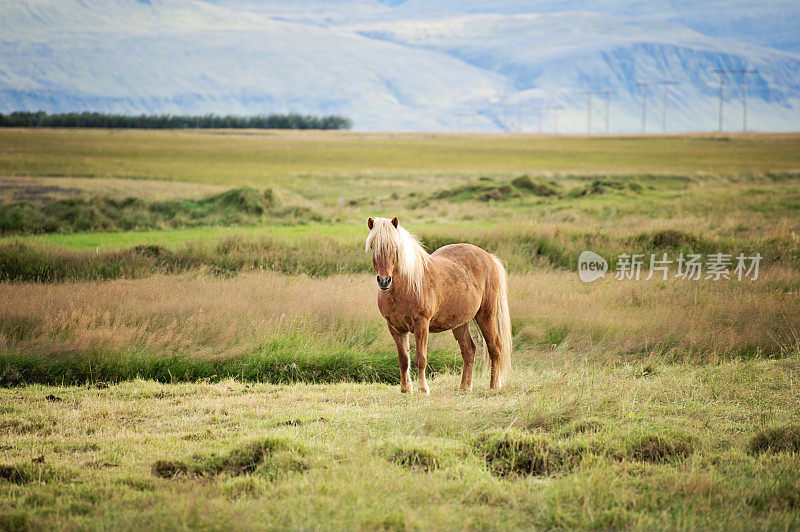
32,472
659,448
586,426
604,186
776,440
422,455
241,206
514,452
673,239
268,457
414,457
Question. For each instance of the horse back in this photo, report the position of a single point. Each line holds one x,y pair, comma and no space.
467,260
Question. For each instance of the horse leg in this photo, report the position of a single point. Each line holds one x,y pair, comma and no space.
401,340
467,353
488,325
421,355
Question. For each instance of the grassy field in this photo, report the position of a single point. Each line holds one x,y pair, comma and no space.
268,158
224,365
578,445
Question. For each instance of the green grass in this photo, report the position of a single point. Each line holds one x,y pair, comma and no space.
171,239
298,160
286,359
321,249
312,255
242,206
360,456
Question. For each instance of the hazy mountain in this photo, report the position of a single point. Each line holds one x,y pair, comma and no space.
413,65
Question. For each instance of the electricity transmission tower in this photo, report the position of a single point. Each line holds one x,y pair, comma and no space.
744,72
645,85
607,115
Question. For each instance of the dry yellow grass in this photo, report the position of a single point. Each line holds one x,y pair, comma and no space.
44,189
215,317
702,320
208,316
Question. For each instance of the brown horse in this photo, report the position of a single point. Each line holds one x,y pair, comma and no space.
422,293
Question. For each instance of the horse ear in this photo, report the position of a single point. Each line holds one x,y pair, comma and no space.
370,223
395,222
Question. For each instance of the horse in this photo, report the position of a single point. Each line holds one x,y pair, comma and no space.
426,293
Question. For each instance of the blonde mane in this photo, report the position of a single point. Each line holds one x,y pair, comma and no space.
412,260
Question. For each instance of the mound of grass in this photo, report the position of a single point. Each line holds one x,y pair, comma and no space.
414,457
776,440
479,191
24,261
21,261
169,468
268,457
285,360
602,186
537,188
589,425
241,206
492,190
659,448
672,239
28,472
14,474
513,452
421,455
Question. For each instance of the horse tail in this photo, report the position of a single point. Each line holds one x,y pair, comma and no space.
503,321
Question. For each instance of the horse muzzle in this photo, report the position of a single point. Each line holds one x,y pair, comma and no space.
384,284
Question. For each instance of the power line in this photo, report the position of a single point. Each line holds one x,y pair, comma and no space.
607,93
589,94
744,72
665,85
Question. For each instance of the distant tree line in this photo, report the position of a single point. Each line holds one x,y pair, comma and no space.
103,120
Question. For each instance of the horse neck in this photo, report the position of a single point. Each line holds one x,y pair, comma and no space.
404,277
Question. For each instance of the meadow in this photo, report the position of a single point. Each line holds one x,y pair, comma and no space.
189,336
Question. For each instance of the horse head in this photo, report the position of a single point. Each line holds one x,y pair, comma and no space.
383,243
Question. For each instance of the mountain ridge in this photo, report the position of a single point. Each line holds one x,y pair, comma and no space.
408,65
